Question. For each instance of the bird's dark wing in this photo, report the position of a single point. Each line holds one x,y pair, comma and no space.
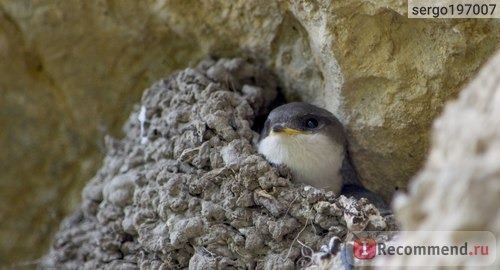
359,192
349,174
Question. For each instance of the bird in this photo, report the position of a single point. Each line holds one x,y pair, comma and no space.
312,143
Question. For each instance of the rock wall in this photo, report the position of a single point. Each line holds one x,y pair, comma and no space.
70,72
459,187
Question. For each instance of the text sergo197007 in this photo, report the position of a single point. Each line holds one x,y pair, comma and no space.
453,9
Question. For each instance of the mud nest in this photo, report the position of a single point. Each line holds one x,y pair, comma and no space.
186,187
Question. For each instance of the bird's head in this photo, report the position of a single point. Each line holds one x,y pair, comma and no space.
300,118
309,140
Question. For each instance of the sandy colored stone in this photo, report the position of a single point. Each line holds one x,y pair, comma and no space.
398,73
70,72
458,189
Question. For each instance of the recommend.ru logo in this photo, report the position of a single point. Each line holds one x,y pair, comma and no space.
474,248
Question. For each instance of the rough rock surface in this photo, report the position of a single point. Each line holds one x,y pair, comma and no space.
459,187
185,187
70,71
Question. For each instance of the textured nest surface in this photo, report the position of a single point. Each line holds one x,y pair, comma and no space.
185,187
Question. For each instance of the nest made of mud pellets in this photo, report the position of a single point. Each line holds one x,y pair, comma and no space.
186,188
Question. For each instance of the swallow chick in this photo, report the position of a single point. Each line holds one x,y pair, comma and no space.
312,143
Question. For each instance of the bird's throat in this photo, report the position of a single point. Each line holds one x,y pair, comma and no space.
314,159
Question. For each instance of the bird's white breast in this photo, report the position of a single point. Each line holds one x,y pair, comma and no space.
313,158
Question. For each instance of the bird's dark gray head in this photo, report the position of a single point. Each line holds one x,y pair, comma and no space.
303,118
308,140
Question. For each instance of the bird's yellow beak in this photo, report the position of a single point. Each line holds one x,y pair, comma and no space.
287,131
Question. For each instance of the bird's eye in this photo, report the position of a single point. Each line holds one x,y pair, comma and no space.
311,123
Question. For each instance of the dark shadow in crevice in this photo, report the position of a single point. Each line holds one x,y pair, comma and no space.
259,120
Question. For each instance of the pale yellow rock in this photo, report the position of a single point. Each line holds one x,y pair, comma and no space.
397,73
70,72
459,188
